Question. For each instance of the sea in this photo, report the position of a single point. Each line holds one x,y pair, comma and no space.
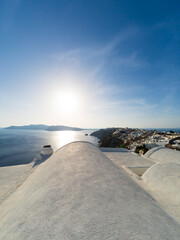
176,130
22,146
19,146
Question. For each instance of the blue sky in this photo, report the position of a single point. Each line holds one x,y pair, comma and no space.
120,59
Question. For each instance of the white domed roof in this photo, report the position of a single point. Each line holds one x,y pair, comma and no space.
163,181
163,154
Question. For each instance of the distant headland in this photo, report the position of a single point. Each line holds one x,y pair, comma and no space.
45,127
137,139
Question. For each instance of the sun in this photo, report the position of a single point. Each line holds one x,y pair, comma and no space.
68,102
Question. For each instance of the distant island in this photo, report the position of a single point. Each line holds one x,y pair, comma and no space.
45,127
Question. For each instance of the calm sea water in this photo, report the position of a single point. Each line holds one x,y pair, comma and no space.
21,146
177,130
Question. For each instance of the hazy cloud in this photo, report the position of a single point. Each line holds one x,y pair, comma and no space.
90,64
131,61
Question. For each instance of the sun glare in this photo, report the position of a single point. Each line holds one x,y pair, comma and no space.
68,102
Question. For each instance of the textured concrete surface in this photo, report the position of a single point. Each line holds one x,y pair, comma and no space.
11,177
78,193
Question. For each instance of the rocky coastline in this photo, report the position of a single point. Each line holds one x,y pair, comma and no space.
138,140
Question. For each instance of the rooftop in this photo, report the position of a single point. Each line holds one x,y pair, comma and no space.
80,193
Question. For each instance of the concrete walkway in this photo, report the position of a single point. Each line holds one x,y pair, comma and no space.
123,157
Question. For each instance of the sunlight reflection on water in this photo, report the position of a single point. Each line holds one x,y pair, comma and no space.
62,138
21,146
65,137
